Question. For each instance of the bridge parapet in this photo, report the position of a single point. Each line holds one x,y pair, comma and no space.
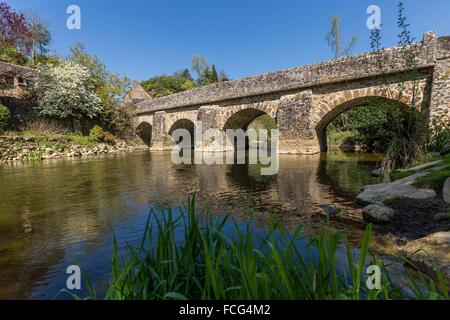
338,70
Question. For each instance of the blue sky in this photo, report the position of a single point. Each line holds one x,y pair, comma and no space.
141,38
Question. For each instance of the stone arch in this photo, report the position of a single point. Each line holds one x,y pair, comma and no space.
340,106
145,131
242,120
186,124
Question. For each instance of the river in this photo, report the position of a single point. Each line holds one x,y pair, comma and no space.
57,213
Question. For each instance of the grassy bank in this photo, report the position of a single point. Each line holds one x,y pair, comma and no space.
194,255
435,177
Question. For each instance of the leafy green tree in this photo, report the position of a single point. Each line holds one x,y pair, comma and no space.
12,55
109,86
168,84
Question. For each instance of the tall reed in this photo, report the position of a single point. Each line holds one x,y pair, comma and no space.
195,255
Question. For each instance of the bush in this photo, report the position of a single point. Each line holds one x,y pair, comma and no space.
121,121
439,138
97,134
4,117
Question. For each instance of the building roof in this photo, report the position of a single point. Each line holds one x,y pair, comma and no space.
137,94
17,71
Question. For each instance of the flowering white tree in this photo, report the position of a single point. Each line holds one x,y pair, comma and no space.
66,91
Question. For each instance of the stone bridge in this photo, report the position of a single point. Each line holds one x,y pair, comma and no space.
304,100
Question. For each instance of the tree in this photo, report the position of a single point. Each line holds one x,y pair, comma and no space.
40,36
109,86
67,91
199,65
223,76
334,39
14,31
12,55
168,84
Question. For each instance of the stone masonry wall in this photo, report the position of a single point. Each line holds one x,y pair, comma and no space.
338,70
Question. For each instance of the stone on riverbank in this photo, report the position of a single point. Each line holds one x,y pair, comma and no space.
378,213
402,188
446,191
429,250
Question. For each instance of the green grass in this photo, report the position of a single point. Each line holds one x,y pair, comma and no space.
436,176
212,262
434,179
337,138
397,175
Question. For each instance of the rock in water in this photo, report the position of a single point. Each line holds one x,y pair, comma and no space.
402,188
378,213
377,173
429,250
446,191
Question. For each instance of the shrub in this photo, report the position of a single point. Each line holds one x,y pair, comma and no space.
121,121
4,117
439,138
97,134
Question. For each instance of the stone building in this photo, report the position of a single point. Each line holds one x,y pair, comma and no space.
14,94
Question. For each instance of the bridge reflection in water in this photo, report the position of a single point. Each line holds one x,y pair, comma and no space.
55,211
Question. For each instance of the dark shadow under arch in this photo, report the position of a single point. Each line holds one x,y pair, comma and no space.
187,125
242,120
145,130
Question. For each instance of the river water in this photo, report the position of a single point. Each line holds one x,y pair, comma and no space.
57,213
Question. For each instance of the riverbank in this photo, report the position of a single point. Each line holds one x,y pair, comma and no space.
31,147
414,210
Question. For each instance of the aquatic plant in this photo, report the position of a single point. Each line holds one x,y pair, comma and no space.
192,254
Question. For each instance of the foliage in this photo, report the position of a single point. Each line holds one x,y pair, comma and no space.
121,121
264,122
4,117
14,31
40,36
66,91
108,86
206,74
369,125
219,259
435,178
409,137
97,134
334,39
375,113
12,55
439,137
168,84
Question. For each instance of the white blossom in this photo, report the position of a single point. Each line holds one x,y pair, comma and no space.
66,91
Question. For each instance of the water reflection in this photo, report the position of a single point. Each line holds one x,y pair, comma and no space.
57,211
